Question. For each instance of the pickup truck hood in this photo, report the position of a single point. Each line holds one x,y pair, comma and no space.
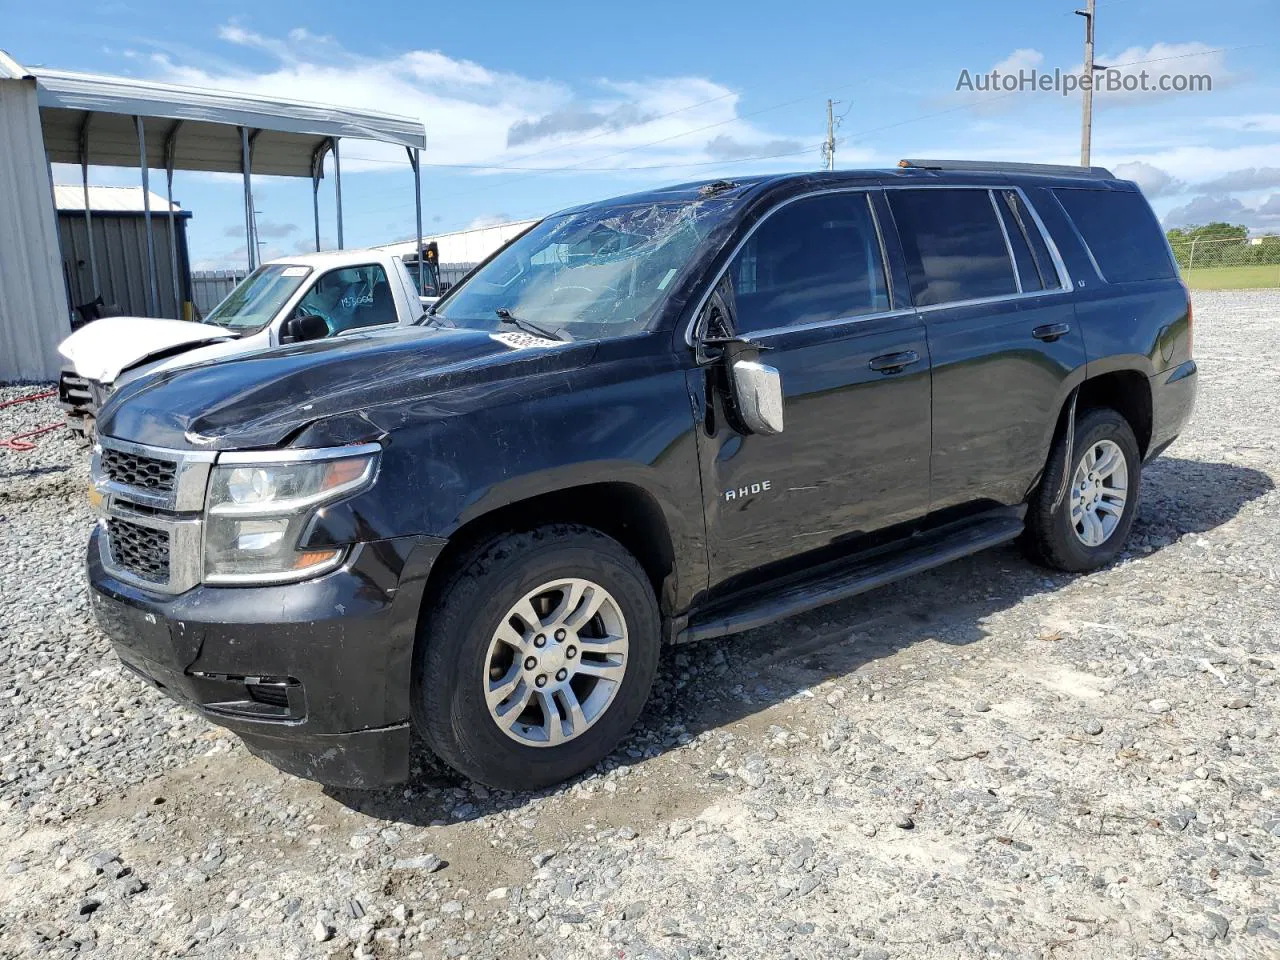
103,349
191,355
261,400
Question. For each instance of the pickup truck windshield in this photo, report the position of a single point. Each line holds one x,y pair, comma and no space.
601,272
252,305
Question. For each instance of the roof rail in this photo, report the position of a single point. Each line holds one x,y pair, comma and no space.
990,167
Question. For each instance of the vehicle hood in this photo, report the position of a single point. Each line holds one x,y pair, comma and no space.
101,350
193,354
264,399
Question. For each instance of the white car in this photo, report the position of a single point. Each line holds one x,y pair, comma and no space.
304,297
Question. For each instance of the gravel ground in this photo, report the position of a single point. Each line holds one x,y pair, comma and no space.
988,760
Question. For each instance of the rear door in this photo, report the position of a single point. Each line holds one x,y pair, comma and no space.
1006,349
810,287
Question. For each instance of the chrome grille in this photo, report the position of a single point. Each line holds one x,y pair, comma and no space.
133,470
143,551
152,501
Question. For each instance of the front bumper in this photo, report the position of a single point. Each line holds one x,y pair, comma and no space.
81,398
1173,399
312,676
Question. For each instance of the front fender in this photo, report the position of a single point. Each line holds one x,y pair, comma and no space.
624,418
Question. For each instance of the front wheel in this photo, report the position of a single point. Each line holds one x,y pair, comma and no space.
537,659
1088,527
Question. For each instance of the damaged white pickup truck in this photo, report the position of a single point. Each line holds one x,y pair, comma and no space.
298,298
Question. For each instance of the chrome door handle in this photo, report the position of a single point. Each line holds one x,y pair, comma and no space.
1050,332
893,362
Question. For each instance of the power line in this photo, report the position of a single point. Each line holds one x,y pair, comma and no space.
541,171
577,167
651,166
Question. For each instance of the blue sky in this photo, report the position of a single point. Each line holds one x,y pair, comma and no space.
684,91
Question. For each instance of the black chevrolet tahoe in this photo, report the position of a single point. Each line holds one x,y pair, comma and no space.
666,417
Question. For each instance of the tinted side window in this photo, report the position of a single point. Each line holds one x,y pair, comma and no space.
954,246
1039,249
351,297
1028,272
815,259
1121,232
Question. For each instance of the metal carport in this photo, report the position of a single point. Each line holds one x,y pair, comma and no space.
53,116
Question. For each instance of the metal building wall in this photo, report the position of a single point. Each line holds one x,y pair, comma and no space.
120,245
34,316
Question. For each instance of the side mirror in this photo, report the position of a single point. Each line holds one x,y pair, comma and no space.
300,329
757,395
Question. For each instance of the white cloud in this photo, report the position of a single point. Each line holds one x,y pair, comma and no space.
1209,208
1239,181
1201,164
1248,123
1153,181
475,115
1136,74
1161,64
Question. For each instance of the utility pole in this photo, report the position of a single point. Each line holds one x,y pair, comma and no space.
829,148
1086,131
257,244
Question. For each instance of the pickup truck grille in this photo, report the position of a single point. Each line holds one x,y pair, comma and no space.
133,470
74,392
143,551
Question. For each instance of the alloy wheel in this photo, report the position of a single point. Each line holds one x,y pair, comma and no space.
556,661
1099,491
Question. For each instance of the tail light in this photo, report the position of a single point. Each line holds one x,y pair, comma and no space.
1191,327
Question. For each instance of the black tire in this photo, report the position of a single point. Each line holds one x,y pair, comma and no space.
449,708
1050,537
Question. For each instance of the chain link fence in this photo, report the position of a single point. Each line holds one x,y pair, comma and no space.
1228,263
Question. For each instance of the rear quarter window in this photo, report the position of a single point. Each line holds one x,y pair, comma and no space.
1121,232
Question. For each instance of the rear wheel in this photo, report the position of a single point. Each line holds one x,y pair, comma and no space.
537,659
1089,525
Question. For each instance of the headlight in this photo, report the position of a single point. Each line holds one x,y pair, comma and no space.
258,510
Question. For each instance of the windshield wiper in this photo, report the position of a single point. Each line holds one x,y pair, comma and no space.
433,319
528,326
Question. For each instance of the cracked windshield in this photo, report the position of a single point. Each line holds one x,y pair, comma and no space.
585,275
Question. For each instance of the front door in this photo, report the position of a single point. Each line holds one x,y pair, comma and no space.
809,287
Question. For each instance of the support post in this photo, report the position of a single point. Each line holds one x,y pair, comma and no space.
170,145
337,188
246,166
88,215
317,170
153,290
414,157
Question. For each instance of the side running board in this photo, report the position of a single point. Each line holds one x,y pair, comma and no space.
846,578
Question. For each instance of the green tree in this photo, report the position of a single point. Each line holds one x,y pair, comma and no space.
1214,243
